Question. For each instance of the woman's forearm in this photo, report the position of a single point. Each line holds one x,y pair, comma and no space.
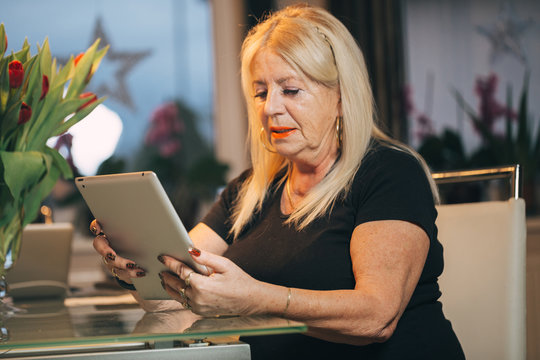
348,316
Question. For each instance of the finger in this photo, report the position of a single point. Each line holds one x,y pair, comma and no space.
102,246
218,264
130,268
172,280
174,287
176,266
123,274
112,259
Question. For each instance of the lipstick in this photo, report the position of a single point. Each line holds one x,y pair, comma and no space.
280,132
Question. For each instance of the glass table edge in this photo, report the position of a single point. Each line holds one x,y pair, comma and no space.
133,338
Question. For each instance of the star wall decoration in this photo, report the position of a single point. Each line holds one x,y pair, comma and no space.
505,34
123,62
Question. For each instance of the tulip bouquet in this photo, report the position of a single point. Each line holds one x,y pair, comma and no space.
39,99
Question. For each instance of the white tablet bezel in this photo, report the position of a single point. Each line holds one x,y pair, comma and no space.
140,222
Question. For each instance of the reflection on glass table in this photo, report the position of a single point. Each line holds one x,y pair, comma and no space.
47,324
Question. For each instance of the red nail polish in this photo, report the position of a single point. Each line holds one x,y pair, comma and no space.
140,273
130,266
160,258
195,252
111,256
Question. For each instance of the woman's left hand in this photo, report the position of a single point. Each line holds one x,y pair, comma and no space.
227,291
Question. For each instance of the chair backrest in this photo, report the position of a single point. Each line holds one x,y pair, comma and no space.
483,283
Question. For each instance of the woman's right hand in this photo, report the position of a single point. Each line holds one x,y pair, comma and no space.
120,267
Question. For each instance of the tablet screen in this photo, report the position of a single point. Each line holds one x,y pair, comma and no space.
140,223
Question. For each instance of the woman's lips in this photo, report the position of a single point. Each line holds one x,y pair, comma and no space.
280,132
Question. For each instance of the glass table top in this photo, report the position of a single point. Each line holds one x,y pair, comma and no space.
98,321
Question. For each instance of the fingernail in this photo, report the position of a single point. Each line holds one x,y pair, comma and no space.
131,266
160,276
111,256
163,284
140,273
194,252
161,259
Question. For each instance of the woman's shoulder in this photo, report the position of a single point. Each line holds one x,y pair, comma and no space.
389,169
389,158
232,188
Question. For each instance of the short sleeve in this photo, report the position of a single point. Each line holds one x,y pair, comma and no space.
220,214
392,185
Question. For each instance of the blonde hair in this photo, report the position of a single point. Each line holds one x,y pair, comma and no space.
318,46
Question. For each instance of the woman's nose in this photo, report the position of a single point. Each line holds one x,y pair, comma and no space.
273,104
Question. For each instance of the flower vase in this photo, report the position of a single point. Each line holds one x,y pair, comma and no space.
10,246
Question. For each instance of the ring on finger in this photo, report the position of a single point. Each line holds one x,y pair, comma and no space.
105,261
93,228
182,293
186,305
188,279
113,271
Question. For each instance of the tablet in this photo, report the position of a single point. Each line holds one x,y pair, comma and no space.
140,222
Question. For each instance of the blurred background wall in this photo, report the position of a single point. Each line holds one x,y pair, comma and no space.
432,63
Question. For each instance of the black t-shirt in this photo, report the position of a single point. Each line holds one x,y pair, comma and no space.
390,185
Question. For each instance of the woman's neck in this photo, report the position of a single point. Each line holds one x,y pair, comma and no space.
303,177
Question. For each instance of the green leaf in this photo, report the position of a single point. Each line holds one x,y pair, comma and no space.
9,123
53,71
78,82
34,198
55,120
32,77
46,59
78,117
2,40
4,85
8,207
97,60
43,126
67,107
22,170
62,76
59,162
23,55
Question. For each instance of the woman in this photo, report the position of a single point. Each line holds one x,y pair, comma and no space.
334,224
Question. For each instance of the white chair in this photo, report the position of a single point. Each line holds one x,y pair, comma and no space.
483,282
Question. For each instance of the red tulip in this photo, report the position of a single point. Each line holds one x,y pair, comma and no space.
24,114
16,74
85,95
44,87
78,58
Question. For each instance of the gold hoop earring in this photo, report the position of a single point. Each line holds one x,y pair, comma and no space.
339,132
263,142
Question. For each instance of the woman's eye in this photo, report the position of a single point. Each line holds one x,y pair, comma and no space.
290,91
260,94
